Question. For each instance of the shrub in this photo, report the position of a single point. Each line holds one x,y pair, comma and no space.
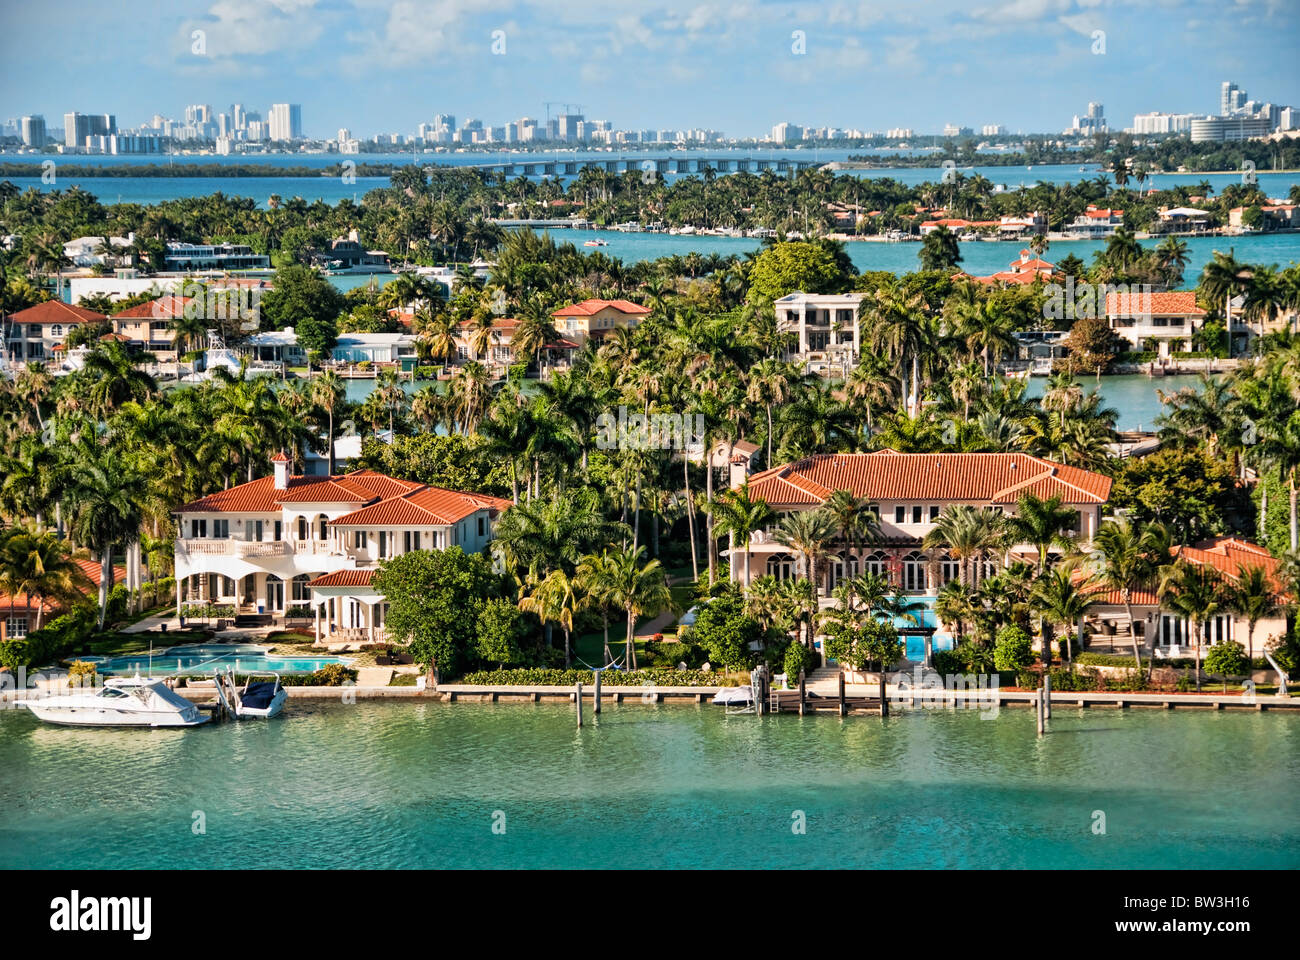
798,659
299,611
117,600
946,662
81,673
1013,649
332,675
725,631
1227,659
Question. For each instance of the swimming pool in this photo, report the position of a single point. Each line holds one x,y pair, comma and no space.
206,657
923,615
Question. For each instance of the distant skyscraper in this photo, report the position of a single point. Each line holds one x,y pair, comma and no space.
78,126
286,121
33,131
240,118
787,132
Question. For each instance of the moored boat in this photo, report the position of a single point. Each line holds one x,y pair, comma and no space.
120,702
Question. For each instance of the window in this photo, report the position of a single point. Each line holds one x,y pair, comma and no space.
301,593
916,513
279,530
406,541
302,528
900,514
198,528
56,330
934,512
220,529
321,522
16,627
914,572
949,570
875,564
257,530
383,543
781,566
360,540
482,522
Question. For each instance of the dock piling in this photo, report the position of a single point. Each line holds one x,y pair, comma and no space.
578,702
1047,693
1038,710
803,694
842,709
595,706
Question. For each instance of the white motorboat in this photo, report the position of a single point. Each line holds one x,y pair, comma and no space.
734,696
595,243
262,696
120,702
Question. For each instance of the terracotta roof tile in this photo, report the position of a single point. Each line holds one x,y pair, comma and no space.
1171,302
424,506
889,475
589,307
344,578
56,311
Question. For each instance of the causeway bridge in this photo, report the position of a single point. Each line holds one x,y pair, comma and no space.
659,165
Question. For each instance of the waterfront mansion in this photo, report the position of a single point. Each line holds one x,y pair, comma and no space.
910,492
310,545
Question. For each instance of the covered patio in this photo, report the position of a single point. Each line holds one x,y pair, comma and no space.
347,608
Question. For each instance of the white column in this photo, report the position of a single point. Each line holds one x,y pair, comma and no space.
317,609
803,328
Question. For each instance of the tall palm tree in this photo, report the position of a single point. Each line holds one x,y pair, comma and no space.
35,563
1042,524
105,512
1253,596
1194,590
1129,555
969,534
740,517
327,393
1062,598
637,586
808,533
556,599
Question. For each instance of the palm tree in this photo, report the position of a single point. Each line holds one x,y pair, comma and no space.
105,513
968,533
1128,555
1254,596
740,517
34,562
1062,599
1042,524
624,579
556,599
769,384
808,533
1194,590
327,392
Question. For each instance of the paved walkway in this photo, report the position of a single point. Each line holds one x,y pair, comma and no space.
374,676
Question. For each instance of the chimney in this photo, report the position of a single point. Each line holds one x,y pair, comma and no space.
281,464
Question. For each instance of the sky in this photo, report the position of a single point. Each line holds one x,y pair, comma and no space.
738,66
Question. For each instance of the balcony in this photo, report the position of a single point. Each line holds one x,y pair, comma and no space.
234,548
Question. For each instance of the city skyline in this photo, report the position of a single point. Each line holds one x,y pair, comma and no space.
384,67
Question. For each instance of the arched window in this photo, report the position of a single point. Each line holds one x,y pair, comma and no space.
782,566
303,532
301,592
876,563
321,522
56,330
949,569
914,565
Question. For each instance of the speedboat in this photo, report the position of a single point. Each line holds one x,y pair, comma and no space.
121,702
734,696
595,243
262,695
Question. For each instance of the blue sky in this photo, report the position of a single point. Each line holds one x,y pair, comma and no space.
386,65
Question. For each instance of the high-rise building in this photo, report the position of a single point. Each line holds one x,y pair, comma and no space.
1156,122
285,121
567,126
78,126
239,115
786,132
1219,129
993,130
33,130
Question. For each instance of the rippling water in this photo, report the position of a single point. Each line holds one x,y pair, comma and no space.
418,785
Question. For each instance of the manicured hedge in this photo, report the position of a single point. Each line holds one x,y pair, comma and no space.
536,677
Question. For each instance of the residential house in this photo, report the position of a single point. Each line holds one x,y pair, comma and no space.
305,543
1165,633
149,326
1026,269
37,333
580,322
827,324
1182,220
1096,223
213,256
19,618
1277,216
910,492
85,251
1169,319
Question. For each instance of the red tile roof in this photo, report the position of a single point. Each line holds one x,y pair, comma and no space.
164,308
344,578
889,475
1230,556
56,311
1168,303
590,307
425,506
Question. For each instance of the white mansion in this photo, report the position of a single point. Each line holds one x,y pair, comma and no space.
314,543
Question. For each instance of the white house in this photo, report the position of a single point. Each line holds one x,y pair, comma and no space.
286,543
826,323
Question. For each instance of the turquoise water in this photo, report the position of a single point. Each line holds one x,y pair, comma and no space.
377,785
204,658
1133,396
